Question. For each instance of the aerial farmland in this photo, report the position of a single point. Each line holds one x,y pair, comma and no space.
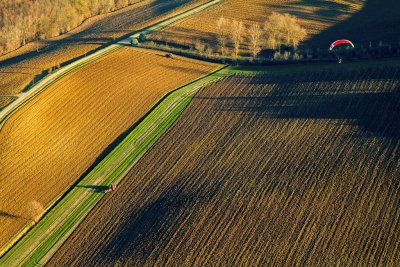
199,133
110,106
288,163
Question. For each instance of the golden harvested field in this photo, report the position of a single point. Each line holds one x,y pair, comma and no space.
315,16
360,21
5,100
19,68
273,170
50,142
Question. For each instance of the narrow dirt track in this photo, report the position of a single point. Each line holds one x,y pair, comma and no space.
17,69
51,141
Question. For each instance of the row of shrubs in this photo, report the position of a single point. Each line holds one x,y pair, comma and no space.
268,56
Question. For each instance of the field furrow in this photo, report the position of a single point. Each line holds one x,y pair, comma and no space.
20,68
275,169
62,133
315,16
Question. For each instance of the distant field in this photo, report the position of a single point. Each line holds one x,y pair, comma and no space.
18,69
294,169
5,100
315,16
361,21
50,142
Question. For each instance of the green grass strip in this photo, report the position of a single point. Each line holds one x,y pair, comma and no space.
34,90
43,240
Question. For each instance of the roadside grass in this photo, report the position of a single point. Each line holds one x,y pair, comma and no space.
38,245
50,79
43,240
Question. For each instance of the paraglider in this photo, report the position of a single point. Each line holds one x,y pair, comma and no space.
337,43
340,42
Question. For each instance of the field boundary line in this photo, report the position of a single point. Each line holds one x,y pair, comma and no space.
41,85
49,79
44,239
169,21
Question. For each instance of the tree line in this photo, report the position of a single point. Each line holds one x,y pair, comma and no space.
23,21
278,29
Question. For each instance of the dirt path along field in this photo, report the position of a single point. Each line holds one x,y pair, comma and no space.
285,169
19,68
51,141
60,222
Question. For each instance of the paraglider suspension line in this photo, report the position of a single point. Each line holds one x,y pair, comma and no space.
340,60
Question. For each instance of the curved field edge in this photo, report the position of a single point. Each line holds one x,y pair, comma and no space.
92,36
46,81
43,240
205,193
50,79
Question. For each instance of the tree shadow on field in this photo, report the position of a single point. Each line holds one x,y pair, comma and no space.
100,32
9,215
181,33
312,9
94,188
146,229
376,21
371,109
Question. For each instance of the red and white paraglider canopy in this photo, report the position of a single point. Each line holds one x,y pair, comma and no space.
340,42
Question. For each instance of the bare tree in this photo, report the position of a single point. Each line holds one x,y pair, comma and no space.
290,26
222,34
236,36
255,39
283,29
273,28
162,37
200,47
299,34
21,20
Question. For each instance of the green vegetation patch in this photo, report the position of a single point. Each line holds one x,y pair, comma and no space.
43,240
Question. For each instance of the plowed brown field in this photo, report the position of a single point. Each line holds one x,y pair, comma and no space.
50,142
298,169
18,69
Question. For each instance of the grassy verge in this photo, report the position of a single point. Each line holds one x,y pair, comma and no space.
43,240
49,79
